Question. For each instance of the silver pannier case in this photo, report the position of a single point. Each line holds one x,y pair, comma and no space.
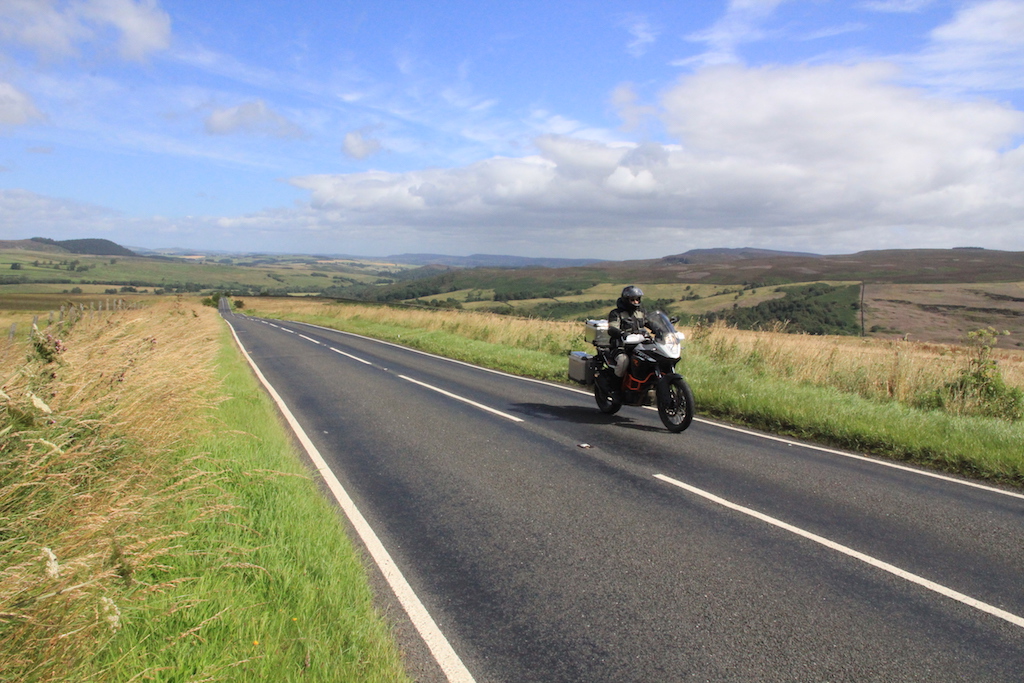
596,333
579,368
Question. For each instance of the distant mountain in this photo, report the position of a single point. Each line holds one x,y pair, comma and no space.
488,261
723,255
94,247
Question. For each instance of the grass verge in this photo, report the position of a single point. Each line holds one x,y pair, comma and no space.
731,388
157,524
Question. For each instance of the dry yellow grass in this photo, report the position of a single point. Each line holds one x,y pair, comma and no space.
553,337
879,369
73,510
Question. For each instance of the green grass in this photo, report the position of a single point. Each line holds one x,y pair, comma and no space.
984,448
292,605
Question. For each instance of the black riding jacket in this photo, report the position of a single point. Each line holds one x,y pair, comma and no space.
625,319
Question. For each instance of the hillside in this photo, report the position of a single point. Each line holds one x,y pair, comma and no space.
94,247
888,266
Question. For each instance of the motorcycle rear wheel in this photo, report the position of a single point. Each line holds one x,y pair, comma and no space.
675,403
607,401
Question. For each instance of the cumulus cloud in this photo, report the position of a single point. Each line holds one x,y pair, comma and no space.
358,146
16,108
253,117
56,29
763,154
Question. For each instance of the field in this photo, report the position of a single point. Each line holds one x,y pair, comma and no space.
44,271
945,313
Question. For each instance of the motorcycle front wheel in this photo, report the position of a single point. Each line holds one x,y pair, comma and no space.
675,403
607,402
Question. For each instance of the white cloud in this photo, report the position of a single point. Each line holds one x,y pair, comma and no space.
643,36
23,212
358,146
56,29
982,48
144,27
897,6
16,108
825,157
741,24
251,117
626,103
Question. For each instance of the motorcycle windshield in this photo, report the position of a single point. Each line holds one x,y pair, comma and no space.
660,325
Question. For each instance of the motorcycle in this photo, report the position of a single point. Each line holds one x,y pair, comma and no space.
650,375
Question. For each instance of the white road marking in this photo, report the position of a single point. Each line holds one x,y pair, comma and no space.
349,355
310,339
446,657
874,562
481,406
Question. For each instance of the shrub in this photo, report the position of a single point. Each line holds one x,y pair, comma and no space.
47,347
980,388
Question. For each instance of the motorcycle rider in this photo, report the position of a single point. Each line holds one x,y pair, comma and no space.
628,317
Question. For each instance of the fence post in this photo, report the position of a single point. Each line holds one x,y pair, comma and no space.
10,336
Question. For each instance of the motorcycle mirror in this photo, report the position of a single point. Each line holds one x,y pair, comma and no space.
674,319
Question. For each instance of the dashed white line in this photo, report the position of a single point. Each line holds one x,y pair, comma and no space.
310,339
874,562
481,406
349,355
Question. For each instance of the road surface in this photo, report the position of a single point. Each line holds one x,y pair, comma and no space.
548,542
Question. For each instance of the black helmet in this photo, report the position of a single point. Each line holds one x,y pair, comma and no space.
631,296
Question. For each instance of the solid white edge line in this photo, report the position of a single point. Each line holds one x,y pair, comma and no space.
439,646
710,423
874,562
481,406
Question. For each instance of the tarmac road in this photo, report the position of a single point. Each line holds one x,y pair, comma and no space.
549,542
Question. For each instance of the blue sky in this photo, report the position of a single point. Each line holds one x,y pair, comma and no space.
576,129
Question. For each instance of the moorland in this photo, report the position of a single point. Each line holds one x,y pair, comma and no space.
935,295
